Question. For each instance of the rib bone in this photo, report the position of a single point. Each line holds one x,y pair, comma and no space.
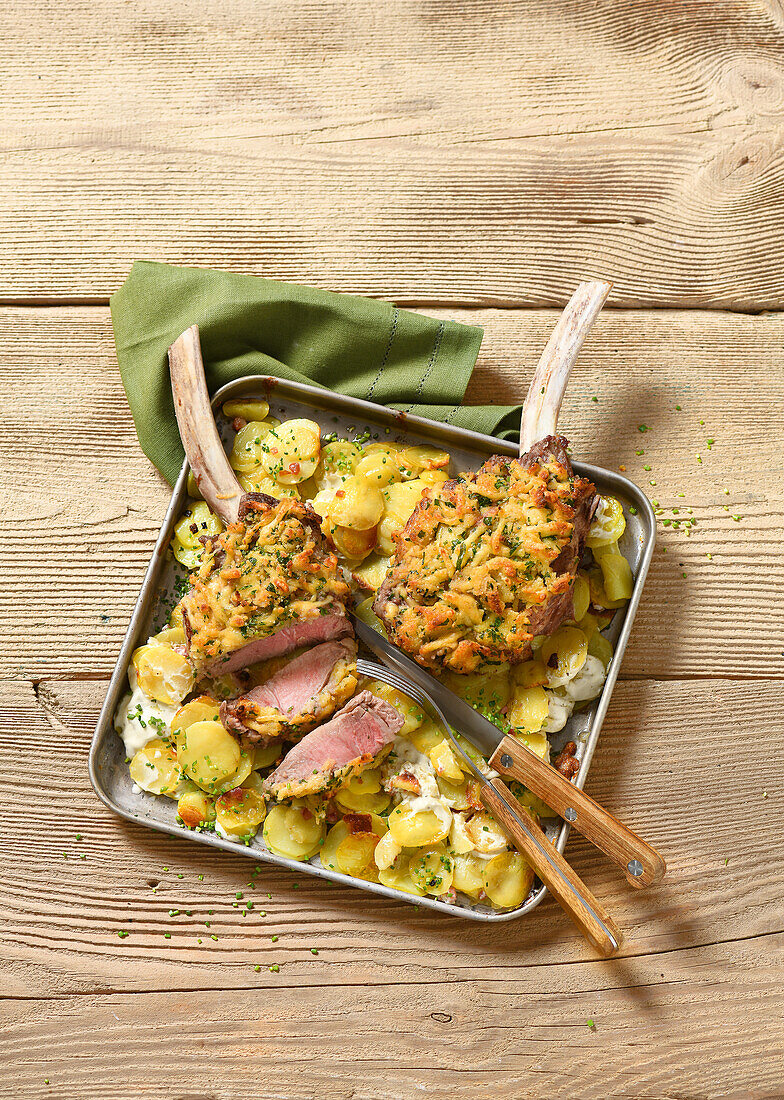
206,456
543,401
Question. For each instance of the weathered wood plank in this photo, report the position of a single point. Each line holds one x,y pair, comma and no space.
705,1023
490,153
670,761
82,504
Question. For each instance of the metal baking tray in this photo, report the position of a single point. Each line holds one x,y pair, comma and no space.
351,417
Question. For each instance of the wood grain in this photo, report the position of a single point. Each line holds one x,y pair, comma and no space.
456,156
477,152
670,760
83,504
395,999
565,1032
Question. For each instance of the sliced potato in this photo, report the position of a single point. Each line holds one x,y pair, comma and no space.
194,492
201,709
415,828
240,811
434,477
170,636
413,460
196,522
461,795
368,782
389,449
195,808
601,647
350,859
536,806
356,504
564,655
581,596
608,524
397,877
290,452
337,462
352,543
426,737
260,482
379,469
468,874
248,410
246,452
386,852
365,612
267,753
245,766
487,691
162,673
355,853
507,880
600,598
529,708
536,742
431,869
356,803
445,762
293,831
209,755
373,570
530,674
616,573
486,834
154,768
400,500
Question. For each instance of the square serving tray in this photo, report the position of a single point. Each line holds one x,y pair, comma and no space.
351,417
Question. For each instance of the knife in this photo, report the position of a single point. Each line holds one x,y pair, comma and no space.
641,863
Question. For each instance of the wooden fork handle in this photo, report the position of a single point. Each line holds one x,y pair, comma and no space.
567,888
641,863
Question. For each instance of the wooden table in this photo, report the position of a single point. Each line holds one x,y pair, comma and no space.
473,159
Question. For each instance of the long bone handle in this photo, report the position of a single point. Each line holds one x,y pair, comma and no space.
206,456
545,394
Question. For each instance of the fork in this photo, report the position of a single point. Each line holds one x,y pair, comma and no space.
569,890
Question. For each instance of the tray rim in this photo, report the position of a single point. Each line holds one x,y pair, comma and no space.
402,422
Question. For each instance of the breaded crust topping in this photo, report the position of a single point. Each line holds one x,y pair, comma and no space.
486,559
271,568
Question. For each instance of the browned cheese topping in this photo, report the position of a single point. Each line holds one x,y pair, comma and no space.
259,575
478,559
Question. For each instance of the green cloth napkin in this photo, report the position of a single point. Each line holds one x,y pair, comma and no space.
357,346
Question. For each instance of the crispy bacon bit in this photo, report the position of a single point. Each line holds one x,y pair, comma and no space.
358,823
294,468
405,782
334,813
238,423
566,762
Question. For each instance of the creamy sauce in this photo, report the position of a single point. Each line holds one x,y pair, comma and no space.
407,758
138,718
561,701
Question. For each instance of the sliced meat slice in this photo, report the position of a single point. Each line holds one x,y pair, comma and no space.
313,631
302,694
342,747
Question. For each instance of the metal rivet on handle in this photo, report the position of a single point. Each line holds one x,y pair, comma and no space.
506,760
570,814
634,867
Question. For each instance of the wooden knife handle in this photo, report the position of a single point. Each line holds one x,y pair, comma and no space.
641,863
567,888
